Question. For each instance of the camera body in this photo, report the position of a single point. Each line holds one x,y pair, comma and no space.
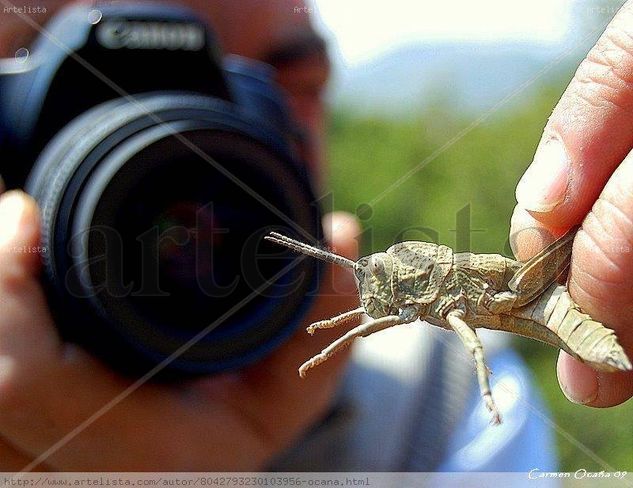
158,167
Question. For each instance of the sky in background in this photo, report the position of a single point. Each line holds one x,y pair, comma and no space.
365,29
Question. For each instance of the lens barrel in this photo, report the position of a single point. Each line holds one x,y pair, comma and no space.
153,215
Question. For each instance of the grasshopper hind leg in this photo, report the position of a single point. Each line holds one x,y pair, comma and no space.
473,344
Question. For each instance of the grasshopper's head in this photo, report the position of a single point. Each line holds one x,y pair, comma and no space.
374,274
375,279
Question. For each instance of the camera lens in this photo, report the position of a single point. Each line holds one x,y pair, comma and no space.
153,218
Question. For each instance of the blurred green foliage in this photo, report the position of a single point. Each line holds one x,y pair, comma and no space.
477,173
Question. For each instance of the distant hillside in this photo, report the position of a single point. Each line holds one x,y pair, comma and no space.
473,76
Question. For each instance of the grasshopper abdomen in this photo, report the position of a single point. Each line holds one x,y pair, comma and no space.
573,330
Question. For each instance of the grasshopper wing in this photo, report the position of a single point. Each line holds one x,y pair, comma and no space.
542,270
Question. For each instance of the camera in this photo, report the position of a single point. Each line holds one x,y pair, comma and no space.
159,165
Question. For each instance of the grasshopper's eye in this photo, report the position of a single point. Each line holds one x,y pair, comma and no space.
376,266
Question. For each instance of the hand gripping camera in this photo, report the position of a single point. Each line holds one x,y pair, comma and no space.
158,167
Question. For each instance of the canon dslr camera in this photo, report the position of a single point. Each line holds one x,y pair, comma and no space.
158,167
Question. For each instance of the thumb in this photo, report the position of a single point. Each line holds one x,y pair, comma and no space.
585,140
27,334
588,134
19,235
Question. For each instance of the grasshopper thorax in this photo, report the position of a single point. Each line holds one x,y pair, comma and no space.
375,274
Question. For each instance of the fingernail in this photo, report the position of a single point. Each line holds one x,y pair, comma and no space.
544,184
578,382
11,211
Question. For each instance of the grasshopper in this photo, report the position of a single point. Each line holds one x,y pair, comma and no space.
463,291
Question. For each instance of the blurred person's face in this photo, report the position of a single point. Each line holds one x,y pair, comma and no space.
275,31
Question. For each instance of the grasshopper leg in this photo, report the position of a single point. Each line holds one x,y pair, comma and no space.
338,320
473,344
362,330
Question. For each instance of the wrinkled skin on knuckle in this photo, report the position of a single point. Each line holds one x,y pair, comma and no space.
604,246
598,279
594,273
605,78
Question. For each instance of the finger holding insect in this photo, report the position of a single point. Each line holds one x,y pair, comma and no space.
584,165
599,271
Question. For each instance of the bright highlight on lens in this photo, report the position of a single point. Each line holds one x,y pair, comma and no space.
22,55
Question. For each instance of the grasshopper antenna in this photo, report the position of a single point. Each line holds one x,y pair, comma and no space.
315,252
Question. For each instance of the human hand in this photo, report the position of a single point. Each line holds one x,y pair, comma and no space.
234,421
583,172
